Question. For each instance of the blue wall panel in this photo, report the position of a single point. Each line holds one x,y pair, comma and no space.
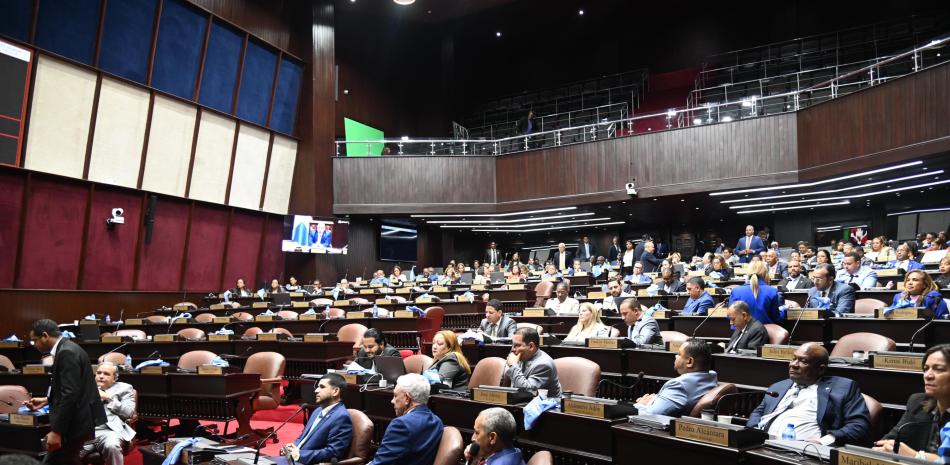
256,83
127,38
221,67
285,100
180,39
68,28
15,19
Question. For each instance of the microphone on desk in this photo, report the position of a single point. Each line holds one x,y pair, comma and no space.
473,451
635,383
7,403
154,353
917,333
119,322
741,394
708,314
117,348
260,444
794,326
897,436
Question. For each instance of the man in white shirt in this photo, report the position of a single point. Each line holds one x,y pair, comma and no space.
614,290
853,273
561,303
795,280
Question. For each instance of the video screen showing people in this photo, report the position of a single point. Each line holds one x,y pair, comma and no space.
306,234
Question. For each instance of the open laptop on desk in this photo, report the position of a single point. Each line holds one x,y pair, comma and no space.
391,368
281,299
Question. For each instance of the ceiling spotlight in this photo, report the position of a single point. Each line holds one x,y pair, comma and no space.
347,91
404,2
581,13
498,34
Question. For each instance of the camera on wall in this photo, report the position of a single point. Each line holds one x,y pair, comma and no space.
117,218
631,189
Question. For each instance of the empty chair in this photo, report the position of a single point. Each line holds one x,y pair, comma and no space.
359,301
115,358
867,306
777,334
204,318
542,292
709,400
321,302
13,394
541,457
450,447
336,313
792,304
435,315
135,334
288,314
673,336
488,372
242,316
537,328
352,332
360,445
867,342
578,375
417,363
191,333
270,365
157,319
253,331
6,363
383,312
195,358
282,331
191,305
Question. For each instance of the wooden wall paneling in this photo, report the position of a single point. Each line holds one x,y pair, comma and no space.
148,134
270,21
103,5
92,125
83,243
240,71
151,54
194,146
54,225
184,260
273,88
161,263
201,61
224,256
270,151
323,107
13,182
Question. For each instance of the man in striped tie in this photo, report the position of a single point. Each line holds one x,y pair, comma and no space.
327,435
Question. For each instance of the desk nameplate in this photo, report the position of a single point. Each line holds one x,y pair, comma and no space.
674,346
424,300
268,336
264,318
404,290
604,342
113,339
28,419
316,337
299,304
367,291
9,344
260,305
901,361
516,287
309,316
165,338
535,312
851,456
597,295
338,303
219,337
587,409
210,370
383,302
500,397
777,352
355,315
702,433
804,314
154,370
221,319
35,369
478,287
404,314
909,313
440,289
134,322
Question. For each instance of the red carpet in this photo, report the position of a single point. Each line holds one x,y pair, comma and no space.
260,420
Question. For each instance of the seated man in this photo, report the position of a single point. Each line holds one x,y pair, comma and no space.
374,345
600,267
678,395
119,401
699,301
777,269
904,259
825,409
575,269
637,326
550,272
614,291
496,324
853,273
317,288
495,430
342,290
529,367
379,277
327,435
828,294
749,333
413,437
795,280
669,282
637,277
562,303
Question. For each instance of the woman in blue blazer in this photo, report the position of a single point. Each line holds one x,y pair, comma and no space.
921,291
763,300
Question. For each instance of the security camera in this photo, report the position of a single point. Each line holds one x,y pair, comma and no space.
117,217
631,189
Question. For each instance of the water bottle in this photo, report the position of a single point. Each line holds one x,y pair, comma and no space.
128,360
108,319
375,311
789,433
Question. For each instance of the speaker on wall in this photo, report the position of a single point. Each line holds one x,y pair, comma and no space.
150,217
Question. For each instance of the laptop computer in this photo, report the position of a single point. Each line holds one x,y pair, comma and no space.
497,276
390,368
281,299
467,277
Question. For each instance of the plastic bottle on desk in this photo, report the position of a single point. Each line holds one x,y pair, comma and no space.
128,360
108,319
789,433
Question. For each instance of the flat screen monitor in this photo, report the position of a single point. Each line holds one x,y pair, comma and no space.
308,234
397,241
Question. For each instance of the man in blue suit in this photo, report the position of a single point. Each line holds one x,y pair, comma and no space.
495,430
678,395
699,301
905,260
413,437
835,296
825,409
749,246
321,236
328,433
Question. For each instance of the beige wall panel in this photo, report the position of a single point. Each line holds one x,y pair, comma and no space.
59,118
209,176
249,163
169,147
120,132
283,156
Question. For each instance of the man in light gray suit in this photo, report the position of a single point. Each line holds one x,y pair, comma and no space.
637,326
678,395
119,402
841,295
496,324
529,367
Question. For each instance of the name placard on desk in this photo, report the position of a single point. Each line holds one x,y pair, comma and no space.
29,419
777,352
461,298
516,287
264,318
154,370
536,311
210,370
181,321
221,319
674,346
424,300
606,342
909,313
383,302
219,337
701,433
851,455
217,306
268,336
367,291
9,344
660,314
889,272
404,314
440,289
721,311
404,290
113,339
903,361
512,281
804,314
596,295
337,303
317,337
35,369
376,284
352,315
587,409
309,317
134,322
165,338
296,294
299,304
478,287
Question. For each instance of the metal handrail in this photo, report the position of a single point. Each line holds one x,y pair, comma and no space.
681,115
620,106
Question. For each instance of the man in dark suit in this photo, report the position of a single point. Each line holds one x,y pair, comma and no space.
795,280
637,326
74,403
825,409
562,258
840,296
328,433
496,324
614,253
651,263
374,345
670,283
493,255
638,250
777,269
412,438
585,250
749,245
749,333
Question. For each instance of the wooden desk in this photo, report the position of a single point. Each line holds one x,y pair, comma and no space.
767,456
638,444
25,440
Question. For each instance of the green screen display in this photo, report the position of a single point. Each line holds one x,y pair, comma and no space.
356,130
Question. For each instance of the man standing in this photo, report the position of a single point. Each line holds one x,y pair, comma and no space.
74,403
749,245
834,296
637,326
749,332
795,280
562,258
678,395
496,324
412,438
529,367
650,261
119,402
825,409
613,255
585,250
492,255
495,430
853,273
327,435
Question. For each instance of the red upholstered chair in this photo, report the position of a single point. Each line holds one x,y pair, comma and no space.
867,342
405,353
282,331
288,314
792,304
709,400
488,372
362,442
253,331
270,365
874,408
114,358
204,318
673,336
352,332
195,358
135,334
537,328
417,363
868,306
15,395
450,447
336,313
191,333
242,316
8,364
157,319
542,292
435,315
578,375
541,457
777,334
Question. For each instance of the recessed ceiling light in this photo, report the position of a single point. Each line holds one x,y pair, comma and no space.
580,12
404,2
497,33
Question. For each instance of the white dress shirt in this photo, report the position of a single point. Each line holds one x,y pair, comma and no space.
799,407
568,307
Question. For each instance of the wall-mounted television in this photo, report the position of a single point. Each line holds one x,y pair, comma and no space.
308,234
397,241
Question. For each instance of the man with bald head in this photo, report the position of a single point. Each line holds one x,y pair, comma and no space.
749,245
118,398
562,258
824,409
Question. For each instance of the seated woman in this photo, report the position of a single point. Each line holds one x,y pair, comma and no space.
533,265
450,277
485,276
575,269
588,324
515,262
240,290
921,440
921,291
397,276
823,256
763,300
274,288
943,279
550,272
292,285
720,266
880,251
448,360
519,272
